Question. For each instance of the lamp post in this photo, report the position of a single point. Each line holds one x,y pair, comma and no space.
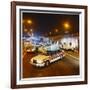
66,30
66,27
27,23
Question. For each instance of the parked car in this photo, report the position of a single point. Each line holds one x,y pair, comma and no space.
42,60
42,50
30,49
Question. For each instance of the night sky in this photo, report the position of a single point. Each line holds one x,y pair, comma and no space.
45,23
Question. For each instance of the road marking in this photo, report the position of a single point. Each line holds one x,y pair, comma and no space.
72,56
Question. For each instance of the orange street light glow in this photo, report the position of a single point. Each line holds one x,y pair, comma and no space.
31,30
56,30
25,30
50,33
66,25
29,21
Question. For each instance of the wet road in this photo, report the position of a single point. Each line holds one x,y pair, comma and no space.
69,65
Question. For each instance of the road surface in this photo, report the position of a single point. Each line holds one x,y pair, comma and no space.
69,65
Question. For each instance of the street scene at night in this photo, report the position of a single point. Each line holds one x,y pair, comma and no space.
50,44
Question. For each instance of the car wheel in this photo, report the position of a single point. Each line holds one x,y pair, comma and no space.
47,63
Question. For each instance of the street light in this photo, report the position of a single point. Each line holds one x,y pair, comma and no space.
50,33
25,30
56,30
66,25
29,21
31,30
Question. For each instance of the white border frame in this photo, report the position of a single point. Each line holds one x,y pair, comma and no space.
55,79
